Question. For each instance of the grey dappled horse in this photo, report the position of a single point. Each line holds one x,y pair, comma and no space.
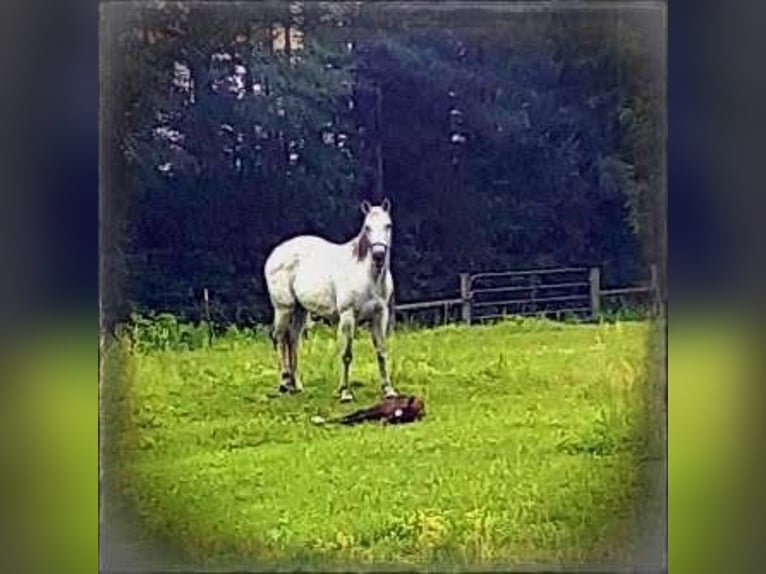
349,282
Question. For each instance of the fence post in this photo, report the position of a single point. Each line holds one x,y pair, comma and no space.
206,298
465,295
595,292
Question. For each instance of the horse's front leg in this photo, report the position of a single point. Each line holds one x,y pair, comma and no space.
346,329
378,329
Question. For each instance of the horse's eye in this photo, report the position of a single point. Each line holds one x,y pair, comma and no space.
367,229
388,227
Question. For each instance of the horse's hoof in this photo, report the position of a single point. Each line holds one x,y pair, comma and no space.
390,393
346,396
287,383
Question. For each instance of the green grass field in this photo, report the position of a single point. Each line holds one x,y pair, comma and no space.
530,451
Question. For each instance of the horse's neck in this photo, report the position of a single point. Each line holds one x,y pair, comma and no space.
379,277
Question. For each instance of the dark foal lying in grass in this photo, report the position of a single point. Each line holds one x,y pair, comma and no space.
394,410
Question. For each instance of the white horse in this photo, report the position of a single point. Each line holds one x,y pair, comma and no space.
349,282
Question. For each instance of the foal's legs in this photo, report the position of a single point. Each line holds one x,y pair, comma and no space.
346,328
378,331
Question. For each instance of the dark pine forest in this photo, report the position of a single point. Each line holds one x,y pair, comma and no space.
504,139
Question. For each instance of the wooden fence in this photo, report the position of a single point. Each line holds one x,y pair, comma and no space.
555,292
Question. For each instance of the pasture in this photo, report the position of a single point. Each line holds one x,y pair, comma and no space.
530,452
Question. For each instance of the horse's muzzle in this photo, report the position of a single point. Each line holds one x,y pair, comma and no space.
379,254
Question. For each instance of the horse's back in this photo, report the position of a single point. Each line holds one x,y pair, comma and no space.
290,253
298,263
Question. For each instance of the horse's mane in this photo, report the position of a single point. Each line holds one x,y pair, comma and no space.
361,246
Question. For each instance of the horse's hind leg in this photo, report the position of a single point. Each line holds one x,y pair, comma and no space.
282,319
295,329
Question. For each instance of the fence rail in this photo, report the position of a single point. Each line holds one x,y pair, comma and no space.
626,290
530,287
436,303
569,311
542,271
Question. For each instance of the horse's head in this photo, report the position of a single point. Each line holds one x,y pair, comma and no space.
376,231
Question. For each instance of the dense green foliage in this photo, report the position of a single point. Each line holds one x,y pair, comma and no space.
530,451
506,140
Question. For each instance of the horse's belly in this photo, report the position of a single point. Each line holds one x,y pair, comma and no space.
314,290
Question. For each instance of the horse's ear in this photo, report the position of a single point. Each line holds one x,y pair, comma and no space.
366,207
386,204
